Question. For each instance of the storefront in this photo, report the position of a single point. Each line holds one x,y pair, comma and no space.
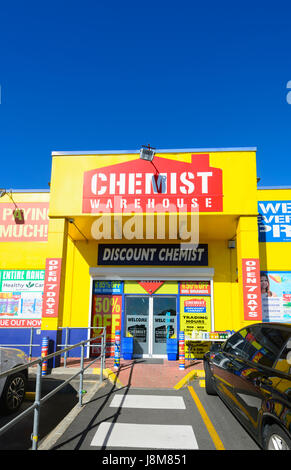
150,248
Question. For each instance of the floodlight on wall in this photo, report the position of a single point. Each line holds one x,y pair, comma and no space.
72,221
147,153
18,214
231,244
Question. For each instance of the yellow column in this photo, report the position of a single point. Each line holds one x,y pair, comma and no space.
247,240
57,248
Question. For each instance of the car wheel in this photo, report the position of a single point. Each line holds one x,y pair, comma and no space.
275,438
209,385
13,393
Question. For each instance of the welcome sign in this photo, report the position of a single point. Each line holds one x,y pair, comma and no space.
166,186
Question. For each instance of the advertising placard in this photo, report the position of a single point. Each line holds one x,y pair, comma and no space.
107,287
195,314
274,221
276,296
28,223
106,312
125,187
251,289
51,287
21,297
195,288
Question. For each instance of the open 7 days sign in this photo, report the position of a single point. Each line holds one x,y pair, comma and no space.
168,186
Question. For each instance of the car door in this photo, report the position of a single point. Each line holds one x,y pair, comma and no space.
225,365
256,383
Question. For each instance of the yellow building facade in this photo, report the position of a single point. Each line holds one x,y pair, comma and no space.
150,248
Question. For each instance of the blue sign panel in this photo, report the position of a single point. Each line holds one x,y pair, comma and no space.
274,221
108,287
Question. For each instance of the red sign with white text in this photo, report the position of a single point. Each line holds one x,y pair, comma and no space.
252,289
151,286
162,186
51,287
28,222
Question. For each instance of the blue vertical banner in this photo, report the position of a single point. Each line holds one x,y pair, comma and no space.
117,350
181,350
44,353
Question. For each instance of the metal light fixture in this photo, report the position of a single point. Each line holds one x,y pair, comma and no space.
147,153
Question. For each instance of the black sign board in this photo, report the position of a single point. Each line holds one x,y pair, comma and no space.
152,255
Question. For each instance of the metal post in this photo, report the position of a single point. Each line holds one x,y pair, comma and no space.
81,376
66,344
102,354
30,344
34,436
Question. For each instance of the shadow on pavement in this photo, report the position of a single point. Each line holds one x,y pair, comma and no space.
95,407
52,412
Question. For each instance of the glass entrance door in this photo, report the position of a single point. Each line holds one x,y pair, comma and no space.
137,323
151,320
164,323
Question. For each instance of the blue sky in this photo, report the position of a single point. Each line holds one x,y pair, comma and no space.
100,75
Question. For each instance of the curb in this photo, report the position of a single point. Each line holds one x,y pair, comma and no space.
188,377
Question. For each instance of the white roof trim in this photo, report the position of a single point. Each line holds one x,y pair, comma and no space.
160,274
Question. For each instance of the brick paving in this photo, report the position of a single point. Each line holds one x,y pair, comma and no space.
143,373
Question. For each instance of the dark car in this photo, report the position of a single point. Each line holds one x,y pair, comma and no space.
13,386
251,373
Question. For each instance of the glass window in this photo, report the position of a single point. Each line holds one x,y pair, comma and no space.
235,344
283,363
263,344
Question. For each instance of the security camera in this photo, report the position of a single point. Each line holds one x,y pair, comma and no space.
2,192
71,221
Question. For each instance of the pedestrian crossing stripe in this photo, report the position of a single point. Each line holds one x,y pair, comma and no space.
145,436
159,402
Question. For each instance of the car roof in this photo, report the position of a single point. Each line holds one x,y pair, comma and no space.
272,324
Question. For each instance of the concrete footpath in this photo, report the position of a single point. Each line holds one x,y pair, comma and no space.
138,373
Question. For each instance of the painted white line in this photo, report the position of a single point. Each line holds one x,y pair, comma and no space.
150,436
148,402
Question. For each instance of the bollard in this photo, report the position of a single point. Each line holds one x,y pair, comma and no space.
181,350
44,353
117,350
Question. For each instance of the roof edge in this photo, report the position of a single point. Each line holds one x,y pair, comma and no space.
273,187
183,150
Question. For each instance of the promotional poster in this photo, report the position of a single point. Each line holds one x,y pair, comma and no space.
276,296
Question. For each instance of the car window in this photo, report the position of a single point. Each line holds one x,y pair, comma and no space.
263,344
235,344
283,363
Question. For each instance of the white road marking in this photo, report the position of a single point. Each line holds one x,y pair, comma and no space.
148,402
149,436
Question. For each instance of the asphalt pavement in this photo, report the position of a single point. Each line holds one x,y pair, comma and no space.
148,405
